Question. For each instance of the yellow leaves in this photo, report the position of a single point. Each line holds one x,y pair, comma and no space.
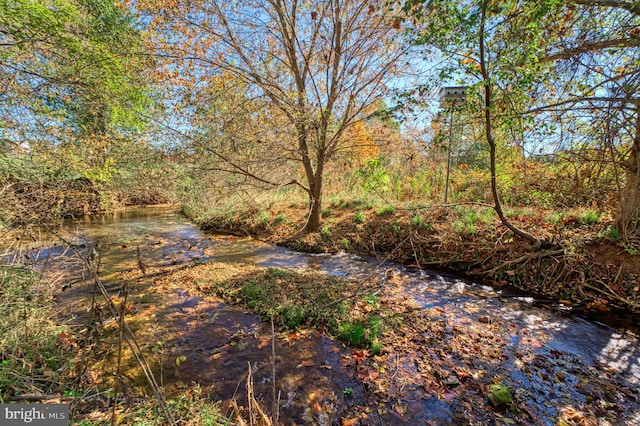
361,139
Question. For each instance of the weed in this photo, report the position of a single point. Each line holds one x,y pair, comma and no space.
590,218
345,243
376,347
280,218
373,176
613,233
347,392
254,294
192,407
264,218
630,250
386,210
277,273
359,218
293,316
352,333
326,213
325,231
371,299
418,222
557,218
33,346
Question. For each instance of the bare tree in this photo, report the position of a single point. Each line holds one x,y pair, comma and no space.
319,63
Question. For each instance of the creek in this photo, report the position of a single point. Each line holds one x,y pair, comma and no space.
545,353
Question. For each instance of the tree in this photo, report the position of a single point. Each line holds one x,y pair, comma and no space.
72,88
319,63
557,73
77,61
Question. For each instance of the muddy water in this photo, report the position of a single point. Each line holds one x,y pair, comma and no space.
189,340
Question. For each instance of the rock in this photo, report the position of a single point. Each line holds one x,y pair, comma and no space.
452,381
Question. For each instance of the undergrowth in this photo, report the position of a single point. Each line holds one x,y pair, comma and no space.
297,299
37,355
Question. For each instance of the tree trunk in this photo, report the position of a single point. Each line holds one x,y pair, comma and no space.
315,198
488,124
627,220
315,214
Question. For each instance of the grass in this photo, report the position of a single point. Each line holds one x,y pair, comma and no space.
590,217
359,218
303,299
386,210
280,218
37,354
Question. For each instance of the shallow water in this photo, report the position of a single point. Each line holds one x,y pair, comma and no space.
193,340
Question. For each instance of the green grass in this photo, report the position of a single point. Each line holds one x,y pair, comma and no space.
386,210
37,353
280,218
359,218
590,218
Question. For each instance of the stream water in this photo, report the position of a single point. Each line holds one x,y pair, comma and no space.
547,354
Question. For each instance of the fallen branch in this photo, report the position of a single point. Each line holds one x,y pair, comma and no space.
525,258
610,293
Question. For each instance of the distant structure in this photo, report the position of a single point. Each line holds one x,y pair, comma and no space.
452,95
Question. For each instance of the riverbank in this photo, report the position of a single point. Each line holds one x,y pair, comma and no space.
353,343
582,265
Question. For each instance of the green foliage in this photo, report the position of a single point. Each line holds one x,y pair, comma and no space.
280,218
362,333
326,213
359,217
345,243
613,233
87,67
464,227
500,395
35,358
590,218
193,407
353,334
264,218
557,218
277,273
386,210
325,231
373,176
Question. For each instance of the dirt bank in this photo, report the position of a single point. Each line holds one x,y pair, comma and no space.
580,264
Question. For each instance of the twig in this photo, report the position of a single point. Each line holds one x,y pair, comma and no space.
610,293
119,362
524,258
275,406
